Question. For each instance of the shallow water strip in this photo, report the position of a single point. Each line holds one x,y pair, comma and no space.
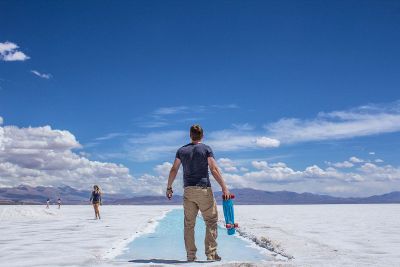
166,244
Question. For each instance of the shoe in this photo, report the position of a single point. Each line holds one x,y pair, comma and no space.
214,257
191,259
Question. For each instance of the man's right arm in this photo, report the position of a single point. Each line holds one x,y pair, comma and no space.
218,176
172,174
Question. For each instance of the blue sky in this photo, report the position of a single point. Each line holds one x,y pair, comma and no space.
279,87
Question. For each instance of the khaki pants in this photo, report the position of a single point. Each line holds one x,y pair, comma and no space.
195,199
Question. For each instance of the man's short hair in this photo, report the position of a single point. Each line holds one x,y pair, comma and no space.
196,132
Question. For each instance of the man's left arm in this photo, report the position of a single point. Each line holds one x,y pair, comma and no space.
218,176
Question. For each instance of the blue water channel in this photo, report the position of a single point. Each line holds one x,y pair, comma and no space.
166,244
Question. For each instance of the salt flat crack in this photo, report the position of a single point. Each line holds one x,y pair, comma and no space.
264,242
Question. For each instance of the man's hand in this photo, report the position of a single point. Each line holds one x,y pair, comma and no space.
169,193
225,193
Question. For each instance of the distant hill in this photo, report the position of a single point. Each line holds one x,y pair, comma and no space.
393,197
252,196
24,194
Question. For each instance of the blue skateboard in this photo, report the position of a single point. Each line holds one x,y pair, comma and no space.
230,224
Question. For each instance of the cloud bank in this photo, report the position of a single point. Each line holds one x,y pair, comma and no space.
45,156
362,178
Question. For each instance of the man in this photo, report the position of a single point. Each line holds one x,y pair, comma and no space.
196,158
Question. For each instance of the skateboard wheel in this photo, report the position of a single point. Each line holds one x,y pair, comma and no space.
228,226
231,196
236,225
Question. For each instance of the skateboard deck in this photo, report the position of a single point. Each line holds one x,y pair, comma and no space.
229,215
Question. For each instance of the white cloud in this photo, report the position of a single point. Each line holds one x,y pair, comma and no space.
314,172
231,169
228,140
170,110
243,126
149,184
15,56
7,47
21,140
378,160
155,145
267,142
263,174
356,160
228,106
163,169
371,153
152,124
361,121
41,75
227,165
259,165
344,164
110,136
1,120
384,173
9,52
278,164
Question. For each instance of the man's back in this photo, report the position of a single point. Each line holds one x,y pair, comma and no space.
194,158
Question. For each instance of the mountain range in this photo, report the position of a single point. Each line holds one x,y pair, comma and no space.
24,194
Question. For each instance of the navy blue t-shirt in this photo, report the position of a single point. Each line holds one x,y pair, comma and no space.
194,158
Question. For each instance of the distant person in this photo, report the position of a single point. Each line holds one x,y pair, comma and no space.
59,203
48,203
95,200
196,158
